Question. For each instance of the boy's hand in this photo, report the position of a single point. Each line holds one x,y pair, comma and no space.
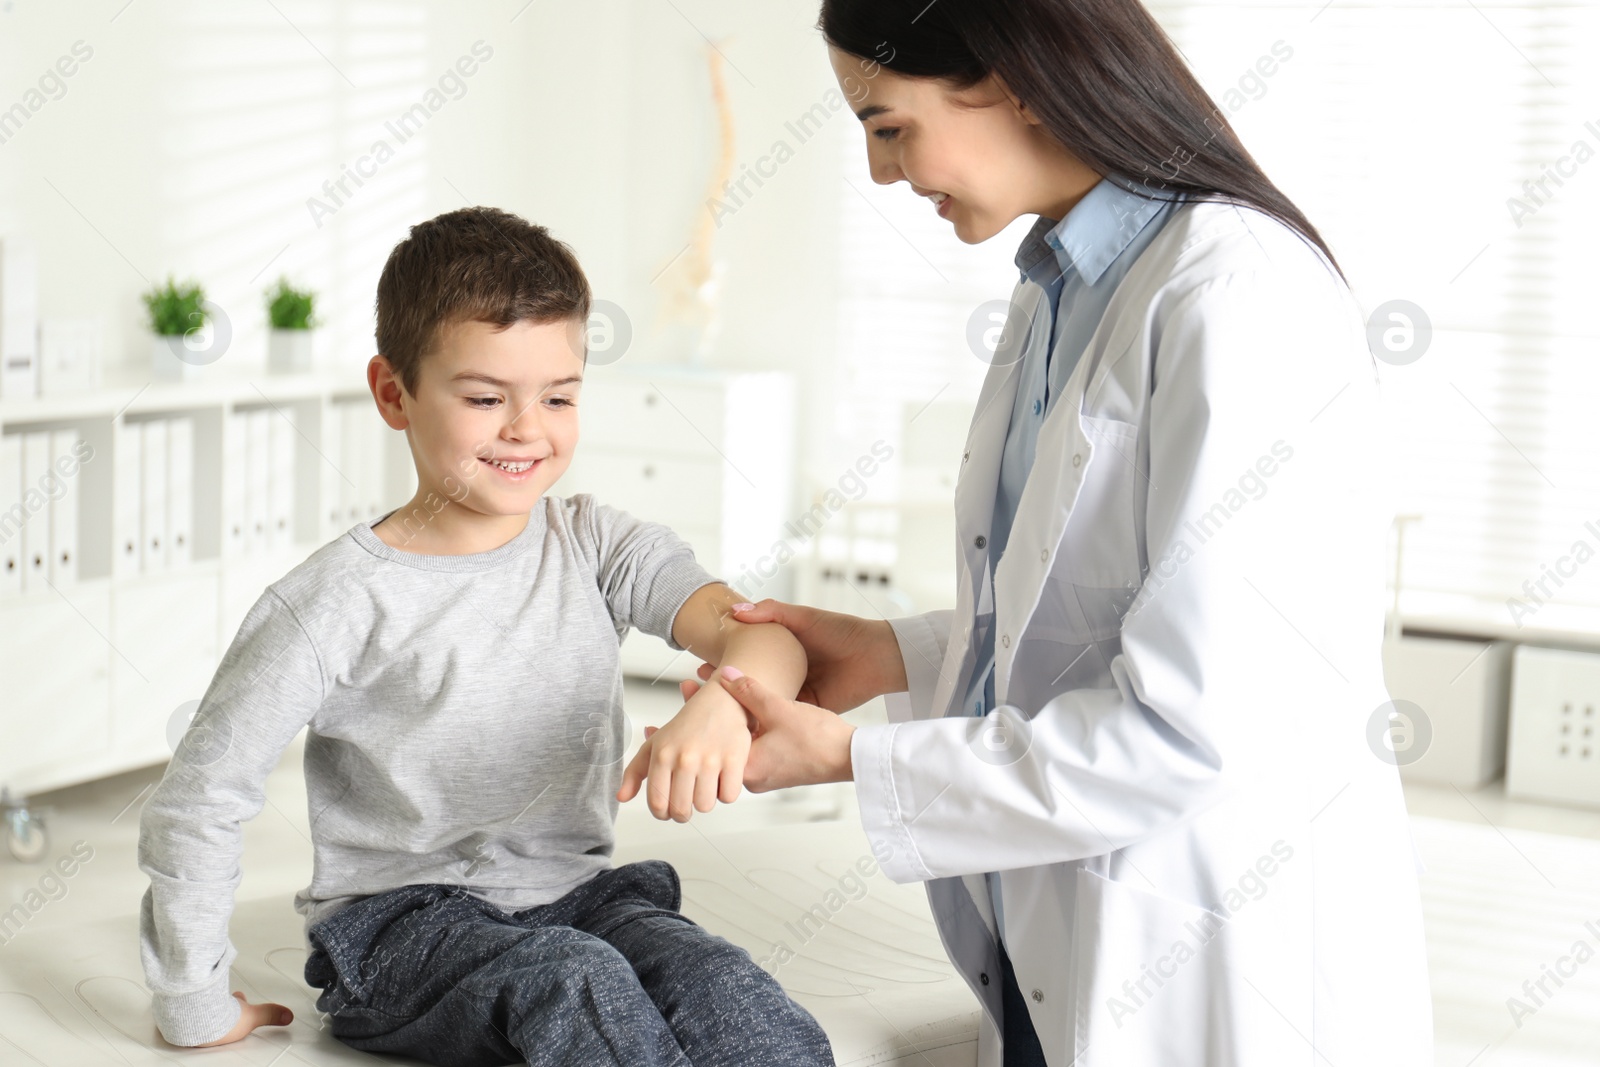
250,1017
695,760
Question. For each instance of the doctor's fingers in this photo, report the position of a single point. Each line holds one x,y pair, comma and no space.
759,701
768,610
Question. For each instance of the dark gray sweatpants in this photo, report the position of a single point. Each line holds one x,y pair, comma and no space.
609,974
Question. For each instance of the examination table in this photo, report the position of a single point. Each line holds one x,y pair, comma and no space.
859,952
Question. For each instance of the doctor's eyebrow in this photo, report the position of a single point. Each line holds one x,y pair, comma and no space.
868,112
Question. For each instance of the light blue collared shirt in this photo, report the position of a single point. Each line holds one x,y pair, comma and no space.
1079,262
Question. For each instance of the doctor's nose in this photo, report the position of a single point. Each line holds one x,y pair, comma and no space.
883,167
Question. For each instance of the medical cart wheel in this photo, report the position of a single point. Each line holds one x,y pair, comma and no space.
26,836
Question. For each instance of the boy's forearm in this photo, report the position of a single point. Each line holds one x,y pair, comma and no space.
705,626
767,651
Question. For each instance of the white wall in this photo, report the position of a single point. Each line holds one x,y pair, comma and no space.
192,138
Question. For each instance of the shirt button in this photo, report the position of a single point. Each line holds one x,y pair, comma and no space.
1038,997
984,978
965,456
1038,406
980,540
1044,555
1077,459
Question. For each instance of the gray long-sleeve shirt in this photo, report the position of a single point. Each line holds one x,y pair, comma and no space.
465,726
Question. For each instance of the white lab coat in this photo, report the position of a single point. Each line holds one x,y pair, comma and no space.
1204,860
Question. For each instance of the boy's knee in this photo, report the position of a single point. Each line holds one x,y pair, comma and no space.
571,959
577,999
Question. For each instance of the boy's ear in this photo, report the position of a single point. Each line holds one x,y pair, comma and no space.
387,392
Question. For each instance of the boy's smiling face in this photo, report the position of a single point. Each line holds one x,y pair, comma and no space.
488,399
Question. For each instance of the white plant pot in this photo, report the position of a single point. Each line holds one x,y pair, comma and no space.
165,365
289,351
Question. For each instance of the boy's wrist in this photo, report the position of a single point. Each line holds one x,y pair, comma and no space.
713,697
191,1019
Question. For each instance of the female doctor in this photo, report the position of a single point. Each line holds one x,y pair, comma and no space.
1136,765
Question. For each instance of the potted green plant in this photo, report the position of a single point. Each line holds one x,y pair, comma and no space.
176,311
291,317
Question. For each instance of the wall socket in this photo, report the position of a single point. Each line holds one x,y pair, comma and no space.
1554,751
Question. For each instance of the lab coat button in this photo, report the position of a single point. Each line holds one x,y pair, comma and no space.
984,978
965,456
1044,555
1077,459
980,541
1005,640
1038,997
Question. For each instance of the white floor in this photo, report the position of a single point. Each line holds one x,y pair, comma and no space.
1508,892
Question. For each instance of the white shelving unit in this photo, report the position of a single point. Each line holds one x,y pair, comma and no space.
94,669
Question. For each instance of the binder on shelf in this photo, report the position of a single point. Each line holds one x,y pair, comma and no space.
36,531
281,435
180,491
14,516
332,471
127,493
153,494
235,479
255,490
64,507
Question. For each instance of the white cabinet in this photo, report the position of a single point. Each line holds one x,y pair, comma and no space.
164,635
708,453
1448,715
1555,727
54,681
96,661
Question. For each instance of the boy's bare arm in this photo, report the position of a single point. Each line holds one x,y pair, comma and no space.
706,627
698,758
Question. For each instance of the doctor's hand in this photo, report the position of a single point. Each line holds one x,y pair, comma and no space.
795,743
850,660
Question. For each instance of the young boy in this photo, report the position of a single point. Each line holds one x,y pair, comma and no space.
456,664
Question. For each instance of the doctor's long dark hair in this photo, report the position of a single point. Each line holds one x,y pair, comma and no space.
1101,75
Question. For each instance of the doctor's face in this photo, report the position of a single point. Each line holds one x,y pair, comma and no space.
980,158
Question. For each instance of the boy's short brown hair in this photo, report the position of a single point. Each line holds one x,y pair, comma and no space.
476,264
